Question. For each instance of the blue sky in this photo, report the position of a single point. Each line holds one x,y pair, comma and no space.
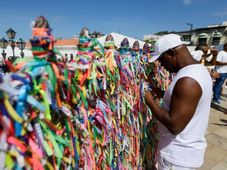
133,18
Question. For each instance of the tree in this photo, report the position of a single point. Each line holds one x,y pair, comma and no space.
162,33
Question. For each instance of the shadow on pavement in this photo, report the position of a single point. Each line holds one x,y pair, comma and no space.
219,108
220,124
224,95
224,121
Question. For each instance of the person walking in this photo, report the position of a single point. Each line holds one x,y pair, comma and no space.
221,68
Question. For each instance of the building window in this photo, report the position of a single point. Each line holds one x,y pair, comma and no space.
202,41
187,37
216,40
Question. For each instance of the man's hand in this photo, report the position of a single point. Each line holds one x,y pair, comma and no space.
214,51
155,90
214,74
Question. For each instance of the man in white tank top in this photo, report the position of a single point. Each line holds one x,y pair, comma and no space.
185,110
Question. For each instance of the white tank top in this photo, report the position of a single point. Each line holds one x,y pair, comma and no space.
188,147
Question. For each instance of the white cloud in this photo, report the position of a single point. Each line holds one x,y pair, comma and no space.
58,18
32,23
221,13
187,2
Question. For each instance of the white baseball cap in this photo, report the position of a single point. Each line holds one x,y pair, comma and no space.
164,44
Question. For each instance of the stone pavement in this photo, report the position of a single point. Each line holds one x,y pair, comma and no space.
216,152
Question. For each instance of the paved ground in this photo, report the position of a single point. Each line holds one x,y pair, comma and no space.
216,152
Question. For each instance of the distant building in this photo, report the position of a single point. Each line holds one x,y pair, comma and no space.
151,38
215,35
67,46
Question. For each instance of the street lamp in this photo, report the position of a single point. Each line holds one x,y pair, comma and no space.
3,45
11,35
21,45
191,27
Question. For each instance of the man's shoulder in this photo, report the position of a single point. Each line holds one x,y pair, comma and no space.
197,72
222,53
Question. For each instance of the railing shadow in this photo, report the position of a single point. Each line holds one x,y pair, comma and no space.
220,124
219,108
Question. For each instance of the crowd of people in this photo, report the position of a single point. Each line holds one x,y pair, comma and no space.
216,63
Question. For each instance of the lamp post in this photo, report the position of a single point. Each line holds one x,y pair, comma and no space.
21,45
3,45
191,27
11,35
